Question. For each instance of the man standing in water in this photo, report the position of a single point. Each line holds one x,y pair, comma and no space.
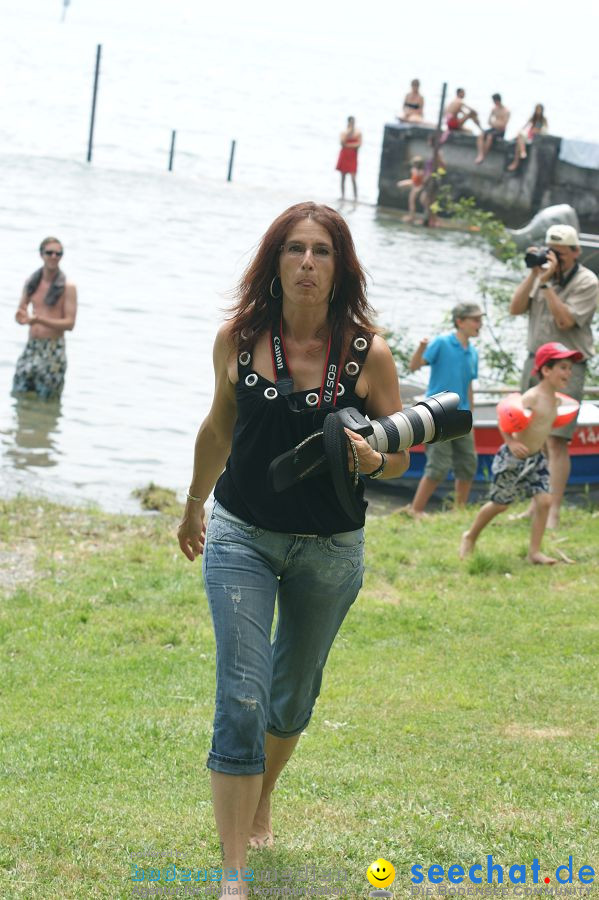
49,306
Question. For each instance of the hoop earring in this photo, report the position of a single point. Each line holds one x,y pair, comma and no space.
332,295
272,293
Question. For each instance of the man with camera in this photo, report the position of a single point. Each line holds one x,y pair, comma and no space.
560,297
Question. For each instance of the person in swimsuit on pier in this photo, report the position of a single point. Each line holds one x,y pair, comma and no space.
457,113
498,119
413,105
537,124
416,183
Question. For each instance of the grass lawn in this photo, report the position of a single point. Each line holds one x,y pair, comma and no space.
458,717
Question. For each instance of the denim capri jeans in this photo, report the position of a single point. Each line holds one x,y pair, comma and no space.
263,684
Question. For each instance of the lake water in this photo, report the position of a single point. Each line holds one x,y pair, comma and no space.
154,253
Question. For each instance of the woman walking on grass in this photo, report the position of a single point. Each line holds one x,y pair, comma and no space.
301,321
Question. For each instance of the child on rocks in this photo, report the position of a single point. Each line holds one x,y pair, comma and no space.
520,466
416,183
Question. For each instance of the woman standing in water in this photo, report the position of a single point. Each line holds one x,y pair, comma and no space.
347,162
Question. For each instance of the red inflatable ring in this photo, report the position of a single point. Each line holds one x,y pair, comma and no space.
566,411
513,417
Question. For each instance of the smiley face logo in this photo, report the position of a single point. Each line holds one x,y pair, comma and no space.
380,873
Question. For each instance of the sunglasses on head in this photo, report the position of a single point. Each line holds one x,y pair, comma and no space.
57,253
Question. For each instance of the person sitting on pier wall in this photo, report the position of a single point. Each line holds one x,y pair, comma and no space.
347,162
413,105
498,119
457,113
416,183
560,299
537,124
454,366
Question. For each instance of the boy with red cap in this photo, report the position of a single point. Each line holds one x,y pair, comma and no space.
520,466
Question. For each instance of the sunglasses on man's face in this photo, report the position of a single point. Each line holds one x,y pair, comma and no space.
57,253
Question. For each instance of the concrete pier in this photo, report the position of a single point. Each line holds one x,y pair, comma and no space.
541,180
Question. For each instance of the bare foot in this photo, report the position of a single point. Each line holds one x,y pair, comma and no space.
412,513
261,836
479,159
407,218
512,167
516,517
466,545
540,559
234,889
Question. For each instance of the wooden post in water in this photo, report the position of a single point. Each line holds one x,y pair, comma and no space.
94,98
441,108
172,153
433,187
231,161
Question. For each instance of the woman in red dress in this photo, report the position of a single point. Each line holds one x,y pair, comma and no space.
347,164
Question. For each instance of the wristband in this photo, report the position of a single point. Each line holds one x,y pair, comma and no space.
195,499
378,472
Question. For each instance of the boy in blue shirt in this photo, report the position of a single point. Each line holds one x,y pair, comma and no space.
454,366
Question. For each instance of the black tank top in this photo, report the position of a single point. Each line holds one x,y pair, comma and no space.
269,424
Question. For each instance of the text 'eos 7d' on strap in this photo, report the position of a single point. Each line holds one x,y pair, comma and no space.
283,380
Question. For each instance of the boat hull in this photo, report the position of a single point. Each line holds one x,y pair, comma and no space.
583,449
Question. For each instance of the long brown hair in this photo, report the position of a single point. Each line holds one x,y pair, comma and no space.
538,119
255,307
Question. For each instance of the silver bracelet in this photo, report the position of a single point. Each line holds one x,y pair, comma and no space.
195,499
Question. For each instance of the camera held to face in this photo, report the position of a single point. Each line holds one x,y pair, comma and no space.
537,257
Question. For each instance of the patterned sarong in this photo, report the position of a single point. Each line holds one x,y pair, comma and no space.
41,368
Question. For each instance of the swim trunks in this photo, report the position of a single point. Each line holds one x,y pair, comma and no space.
453,123
513,477
41,368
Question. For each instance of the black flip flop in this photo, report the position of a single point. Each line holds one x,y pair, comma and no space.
336,442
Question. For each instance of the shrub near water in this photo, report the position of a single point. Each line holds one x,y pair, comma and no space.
457,718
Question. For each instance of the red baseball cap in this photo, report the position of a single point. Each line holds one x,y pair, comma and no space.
554,350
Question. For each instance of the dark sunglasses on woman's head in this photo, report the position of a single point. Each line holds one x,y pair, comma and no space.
53,253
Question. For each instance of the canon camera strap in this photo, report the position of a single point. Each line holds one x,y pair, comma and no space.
283,380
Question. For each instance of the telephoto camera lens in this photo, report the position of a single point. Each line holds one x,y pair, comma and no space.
429,421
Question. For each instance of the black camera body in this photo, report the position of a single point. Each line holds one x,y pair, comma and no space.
536,257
